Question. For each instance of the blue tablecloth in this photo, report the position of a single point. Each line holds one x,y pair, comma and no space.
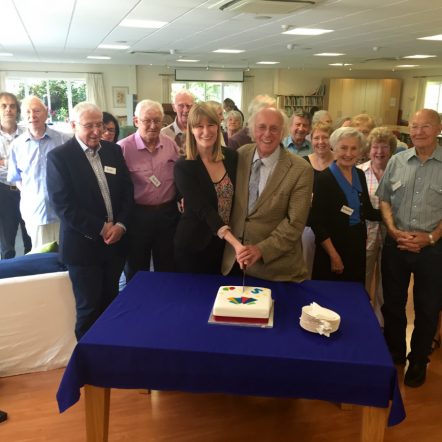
155,335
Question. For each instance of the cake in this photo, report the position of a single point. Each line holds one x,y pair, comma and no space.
235,304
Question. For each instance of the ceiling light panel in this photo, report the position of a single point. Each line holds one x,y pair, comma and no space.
420,56
116,47
307,31
329,54
229,51
437,37
267,62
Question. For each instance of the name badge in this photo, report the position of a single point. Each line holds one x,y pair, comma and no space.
396,186
108,169
155,181
347,210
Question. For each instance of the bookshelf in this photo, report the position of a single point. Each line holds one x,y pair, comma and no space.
293,103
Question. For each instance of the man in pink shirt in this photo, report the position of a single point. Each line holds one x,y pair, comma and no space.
150,158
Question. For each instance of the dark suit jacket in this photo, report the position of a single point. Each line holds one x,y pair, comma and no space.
200,220
241,138
75,194
278,219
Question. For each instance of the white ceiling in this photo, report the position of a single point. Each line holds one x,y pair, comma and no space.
374,34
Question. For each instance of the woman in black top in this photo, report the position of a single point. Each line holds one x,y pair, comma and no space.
339,208
205,179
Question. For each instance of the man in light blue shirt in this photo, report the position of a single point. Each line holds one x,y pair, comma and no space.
27,168
410,195
299,129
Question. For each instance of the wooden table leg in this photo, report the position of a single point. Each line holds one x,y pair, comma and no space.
97,401
374,422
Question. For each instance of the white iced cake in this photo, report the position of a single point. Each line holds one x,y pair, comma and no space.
232,303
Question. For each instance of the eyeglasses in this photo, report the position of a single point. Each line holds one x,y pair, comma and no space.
272,129
147,122
182,106
415,127
90,126
111,130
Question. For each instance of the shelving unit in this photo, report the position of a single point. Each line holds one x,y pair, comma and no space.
294,103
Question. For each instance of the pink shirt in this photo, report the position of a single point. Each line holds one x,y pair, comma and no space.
151,173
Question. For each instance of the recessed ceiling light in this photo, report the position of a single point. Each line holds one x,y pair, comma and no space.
307,31
6,54
106,46
267,62
420,56
431,37
187,60
407,65
339,64
229,51
329,54
98,57
146,24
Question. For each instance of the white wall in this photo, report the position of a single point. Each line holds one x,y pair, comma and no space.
149,81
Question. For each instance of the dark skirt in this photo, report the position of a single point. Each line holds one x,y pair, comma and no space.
352,252
207,260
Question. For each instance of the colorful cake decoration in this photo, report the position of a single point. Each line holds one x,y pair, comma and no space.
242,300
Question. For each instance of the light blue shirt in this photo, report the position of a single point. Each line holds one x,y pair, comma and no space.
5,150
27,163
414,190
303,150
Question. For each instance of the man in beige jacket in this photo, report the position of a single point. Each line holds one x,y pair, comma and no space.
272,202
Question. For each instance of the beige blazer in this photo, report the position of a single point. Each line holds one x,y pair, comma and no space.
276,223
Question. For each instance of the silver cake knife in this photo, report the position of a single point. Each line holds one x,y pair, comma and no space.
243,278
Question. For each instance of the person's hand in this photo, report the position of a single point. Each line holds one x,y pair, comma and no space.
180,205
248,255
2,161
105,229
337,266
113,234
413,242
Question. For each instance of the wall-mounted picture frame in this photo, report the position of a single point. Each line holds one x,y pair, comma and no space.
119,94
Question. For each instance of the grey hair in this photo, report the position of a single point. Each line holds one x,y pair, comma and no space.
82,107
260,102
27,100
182,92
148,104
318,115
234,114
346,132
285,122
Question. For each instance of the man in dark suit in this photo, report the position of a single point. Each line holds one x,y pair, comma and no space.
91,191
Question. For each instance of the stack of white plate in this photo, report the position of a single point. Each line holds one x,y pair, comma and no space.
317,319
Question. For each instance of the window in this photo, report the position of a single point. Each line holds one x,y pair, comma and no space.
433,96
211,91
59,95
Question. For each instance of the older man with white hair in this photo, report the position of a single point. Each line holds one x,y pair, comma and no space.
150,157
272,202
183,101
91,192
27,168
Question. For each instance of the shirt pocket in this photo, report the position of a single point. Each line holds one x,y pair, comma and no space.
435,196
397,195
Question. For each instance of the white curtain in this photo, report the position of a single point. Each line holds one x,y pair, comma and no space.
2,80
95,90
166,88
248,92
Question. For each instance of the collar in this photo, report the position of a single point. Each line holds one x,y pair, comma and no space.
270,160
45,135
85,147
365,166
7,134
140,143
176,128
291,143
355,183
410,153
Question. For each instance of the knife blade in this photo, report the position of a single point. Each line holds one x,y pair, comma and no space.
243,278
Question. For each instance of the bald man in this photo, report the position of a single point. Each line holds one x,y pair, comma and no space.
410,194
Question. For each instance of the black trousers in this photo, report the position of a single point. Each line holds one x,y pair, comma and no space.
150,235
397,267
10,219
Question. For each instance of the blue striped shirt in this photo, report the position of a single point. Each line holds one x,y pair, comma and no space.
414,190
